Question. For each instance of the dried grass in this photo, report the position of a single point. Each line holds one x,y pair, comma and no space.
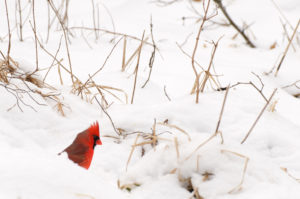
11,70
176,127
239,186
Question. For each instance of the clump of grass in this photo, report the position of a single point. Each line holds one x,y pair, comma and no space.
27,84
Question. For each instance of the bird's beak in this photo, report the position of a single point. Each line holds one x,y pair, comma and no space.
98,142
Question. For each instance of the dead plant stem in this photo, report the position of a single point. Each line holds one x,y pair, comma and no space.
260,114
9,34
137,67
287,48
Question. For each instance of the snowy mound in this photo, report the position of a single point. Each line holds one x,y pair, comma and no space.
163,135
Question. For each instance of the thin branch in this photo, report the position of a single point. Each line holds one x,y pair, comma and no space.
287,34
110,32
223,9
287,48
198,36
94,20
239,186
293,84
260,114
201,145
133,55
132,150
35,38
54,57
185,53
176,127
104,63
20,20
165,91
48,23
137,67
111,121
65,37
281,13
124,53
52,64
207,72
154,136
151,60
221,114
253,85
9,34
110,16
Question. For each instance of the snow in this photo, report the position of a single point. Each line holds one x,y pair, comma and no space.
31,136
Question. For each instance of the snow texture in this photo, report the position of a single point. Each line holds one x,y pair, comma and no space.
32,136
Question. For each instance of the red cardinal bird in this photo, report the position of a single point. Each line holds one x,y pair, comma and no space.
82,149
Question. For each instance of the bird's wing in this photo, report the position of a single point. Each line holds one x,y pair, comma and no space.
80,150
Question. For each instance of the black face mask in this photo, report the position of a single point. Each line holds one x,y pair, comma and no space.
95,140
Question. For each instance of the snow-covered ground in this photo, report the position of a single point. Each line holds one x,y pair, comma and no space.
33,134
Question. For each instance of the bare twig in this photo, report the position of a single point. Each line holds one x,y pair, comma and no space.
186,54
176,127
204,19
165,91
177,147
201,145
86,41
207,72
223,9
198,35
9,34
18,94
239,186
111,121
151,60
287,48
66,16
52,64
253,85
124,53
65,37
293,84
20,20
110,16
35,38
154,136
134,54
94,20
290,175
217,128
132,150
137,67
54,57
104,63
199,16
110,32
287,34
98,18
48,22
260,114
281,13
221,114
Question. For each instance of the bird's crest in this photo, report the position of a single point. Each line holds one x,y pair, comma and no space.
94,129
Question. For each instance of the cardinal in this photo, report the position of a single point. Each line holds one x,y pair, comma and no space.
82,149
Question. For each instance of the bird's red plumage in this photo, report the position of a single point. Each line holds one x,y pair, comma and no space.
82,149
94,129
